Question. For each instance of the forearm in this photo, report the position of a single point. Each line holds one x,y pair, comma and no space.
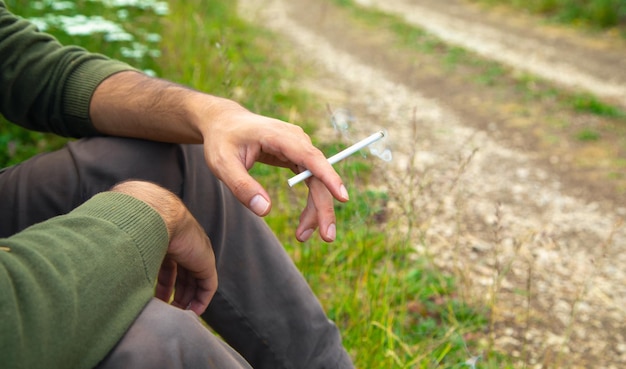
71,286
131,104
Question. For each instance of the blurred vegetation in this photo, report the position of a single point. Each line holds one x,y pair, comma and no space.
58,18
600,14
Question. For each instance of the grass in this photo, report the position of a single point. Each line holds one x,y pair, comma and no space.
590,104
588,135
598,14
394,308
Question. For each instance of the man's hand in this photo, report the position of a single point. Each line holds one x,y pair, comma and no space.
133,105
235,139
189,264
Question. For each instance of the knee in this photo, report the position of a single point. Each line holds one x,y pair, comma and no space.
105,161
160,319
161,337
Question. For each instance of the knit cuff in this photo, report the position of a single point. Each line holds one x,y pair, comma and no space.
137,219
79,89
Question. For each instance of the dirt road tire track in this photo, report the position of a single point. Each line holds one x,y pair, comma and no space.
548,223
595,63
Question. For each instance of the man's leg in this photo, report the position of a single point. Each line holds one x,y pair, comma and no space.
263,307
165,337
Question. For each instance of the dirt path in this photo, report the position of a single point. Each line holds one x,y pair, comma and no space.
529,233
594,63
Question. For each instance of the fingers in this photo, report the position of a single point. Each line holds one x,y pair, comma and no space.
304,155
319,211
185,289
256,198
192,293
230,153
166,280
325,173
247,190
189,293
308,222
196,274
243,138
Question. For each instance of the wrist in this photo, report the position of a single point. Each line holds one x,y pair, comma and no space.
165,203
208,113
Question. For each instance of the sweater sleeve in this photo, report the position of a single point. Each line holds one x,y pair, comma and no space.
45,86
71,286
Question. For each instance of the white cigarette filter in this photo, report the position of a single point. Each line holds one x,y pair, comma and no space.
339,156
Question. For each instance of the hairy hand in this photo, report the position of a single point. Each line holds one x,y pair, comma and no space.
235,139
189,264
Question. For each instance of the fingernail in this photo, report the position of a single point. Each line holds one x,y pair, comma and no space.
331,232
306,235
344,192
259,205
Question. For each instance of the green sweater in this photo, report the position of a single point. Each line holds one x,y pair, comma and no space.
70,286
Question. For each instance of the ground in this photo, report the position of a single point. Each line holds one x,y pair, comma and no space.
501,188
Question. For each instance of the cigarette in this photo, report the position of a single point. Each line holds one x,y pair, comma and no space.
339,156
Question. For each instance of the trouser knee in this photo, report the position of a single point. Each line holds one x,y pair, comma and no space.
101,162
55,183
167,337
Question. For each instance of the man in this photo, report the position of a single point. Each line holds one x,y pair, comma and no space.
92,228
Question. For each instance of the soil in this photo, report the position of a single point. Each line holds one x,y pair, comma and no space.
499,187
